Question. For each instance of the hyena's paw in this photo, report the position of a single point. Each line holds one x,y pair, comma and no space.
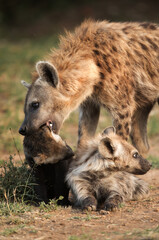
113,203
89,204
111,207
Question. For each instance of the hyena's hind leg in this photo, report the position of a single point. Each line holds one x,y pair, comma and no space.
139,129
88,119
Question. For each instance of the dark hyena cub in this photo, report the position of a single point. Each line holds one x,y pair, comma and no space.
48,155
101,173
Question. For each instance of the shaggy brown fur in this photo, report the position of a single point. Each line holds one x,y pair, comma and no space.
100,174
46,147
114,65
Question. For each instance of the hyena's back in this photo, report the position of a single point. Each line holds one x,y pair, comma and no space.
127,56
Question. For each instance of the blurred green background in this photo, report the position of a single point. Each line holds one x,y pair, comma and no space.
28,29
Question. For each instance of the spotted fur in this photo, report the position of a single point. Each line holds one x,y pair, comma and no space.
102,63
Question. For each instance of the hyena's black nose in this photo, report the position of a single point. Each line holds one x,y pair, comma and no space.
22,131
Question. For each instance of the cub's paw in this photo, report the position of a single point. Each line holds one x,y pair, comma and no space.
90,208
111,207
112,204
89,204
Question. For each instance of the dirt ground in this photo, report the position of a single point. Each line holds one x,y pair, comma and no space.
134,220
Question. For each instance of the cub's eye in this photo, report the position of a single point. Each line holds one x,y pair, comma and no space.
35,105
135,155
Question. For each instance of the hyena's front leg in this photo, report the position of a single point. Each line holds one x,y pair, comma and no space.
139,129
84,197
113,201
88,119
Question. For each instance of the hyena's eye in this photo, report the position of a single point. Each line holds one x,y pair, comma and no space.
135,155
35,105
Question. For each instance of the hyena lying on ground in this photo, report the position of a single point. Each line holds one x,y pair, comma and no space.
114,65
48,156
100,174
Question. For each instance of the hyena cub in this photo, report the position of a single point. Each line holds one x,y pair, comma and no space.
45,146
100,175
48,156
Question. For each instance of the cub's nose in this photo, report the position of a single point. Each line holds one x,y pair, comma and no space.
22,131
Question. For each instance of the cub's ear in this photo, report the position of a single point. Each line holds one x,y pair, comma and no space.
106,148
25,84
47,72
108,131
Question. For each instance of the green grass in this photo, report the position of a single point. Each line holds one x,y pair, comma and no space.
16,188
52,205
16,182
147,234
153,125
9,208
81,237
9,231
88,217
154,160
17,193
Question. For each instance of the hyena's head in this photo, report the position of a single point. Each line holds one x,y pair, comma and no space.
123,155
44,146
44,101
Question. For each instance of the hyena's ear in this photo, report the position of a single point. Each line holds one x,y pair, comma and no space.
47,72
106,148
25,84
108,131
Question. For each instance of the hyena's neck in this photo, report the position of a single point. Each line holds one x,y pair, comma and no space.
77,80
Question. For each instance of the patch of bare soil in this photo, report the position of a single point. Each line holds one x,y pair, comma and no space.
134,220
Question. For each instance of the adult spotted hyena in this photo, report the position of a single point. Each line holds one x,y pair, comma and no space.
114,65
100,174
48,156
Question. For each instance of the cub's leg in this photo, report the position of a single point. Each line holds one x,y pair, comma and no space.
139,129
88,119
83,193
112,202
